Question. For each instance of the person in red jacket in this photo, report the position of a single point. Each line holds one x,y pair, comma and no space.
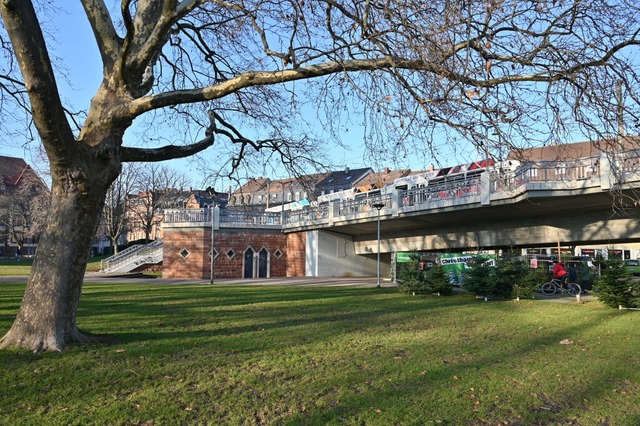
560,273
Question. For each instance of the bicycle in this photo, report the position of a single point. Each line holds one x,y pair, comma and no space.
555,285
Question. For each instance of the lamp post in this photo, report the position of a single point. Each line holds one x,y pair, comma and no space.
211,265
378,206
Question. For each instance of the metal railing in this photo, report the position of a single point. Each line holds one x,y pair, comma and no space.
250,219
312,214
133,257
459,191
360,205
173,216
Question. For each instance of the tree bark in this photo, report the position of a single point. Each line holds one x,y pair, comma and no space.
47,316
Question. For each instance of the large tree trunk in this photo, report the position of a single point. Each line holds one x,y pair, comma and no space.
47,316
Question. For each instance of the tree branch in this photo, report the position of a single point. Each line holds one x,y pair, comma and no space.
167,152
29,46
263,78
104,32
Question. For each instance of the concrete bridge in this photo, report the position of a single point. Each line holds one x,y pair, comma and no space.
584,201
534,205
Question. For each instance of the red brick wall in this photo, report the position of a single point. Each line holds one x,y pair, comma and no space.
196,265
296,250
198,242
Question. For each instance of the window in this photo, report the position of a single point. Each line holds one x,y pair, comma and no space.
231,254
289,196
184,253
215,253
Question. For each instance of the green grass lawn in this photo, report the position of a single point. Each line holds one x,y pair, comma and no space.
314,356
12,267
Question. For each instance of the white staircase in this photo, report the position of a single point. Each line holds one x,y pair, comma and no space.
133,257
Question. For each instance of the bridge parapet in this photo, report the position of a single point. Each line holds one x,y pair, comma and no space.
186,218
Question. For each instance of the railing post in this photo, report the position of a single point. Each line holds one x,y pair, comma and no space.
330,211
395,203
485,189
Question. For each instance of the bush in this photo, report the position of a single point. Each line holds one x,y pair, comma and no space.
530,282
413,280
480,278
509,273
437,280
509,278
615,286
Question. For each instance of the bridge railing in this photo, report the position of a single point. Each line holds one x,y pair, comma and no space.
460,191
226,219
187,216
547,171
250,219
312,214
360,205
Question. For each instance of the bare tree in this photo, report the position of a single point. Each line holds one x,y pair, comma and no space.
158,187
23,210
525,71
115,216
24,206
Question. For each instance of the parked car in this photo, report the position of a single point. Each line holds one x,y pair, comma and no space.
633,266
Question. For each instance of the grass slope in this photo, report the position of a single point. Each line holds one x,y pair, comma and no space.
326,356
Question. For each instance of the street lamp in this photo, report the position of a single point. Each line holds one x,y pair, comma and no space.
378,206
211,265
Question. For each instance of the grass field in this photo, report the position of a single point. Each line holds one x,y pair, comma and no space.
11,267
315,356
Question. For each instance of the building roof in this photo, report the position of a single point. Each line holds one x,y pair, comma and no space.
382,178
346,178
11,170
570,151
280,185
252,186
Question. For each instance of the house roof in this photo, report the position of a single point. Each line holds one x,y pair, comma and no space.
344,178
382,178
11,170
280,185
570,151
253,185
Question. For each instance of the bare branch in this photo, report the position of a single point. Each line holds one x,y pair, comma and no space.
109,43
28,43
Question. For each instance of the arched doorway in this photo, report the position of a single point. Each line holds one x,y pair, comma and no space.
263,263
249,255
256,264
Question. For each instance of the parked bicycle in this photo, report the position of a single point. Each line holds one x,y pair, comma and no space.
556,286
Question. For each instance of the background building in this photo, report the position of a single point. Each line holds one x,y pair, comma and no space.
24,200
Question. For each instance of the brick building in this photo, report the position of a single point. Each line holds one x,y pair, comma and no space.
24,199
246,253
